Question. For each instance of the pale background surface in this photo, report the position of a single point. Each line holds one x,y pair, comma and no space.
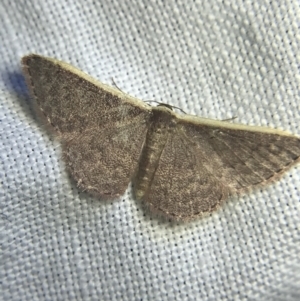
218,60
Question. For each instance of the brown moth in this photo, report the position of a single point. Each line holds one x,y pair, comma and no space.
182,166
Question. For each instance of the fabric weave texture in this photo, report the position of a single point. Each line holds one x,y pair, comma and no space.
215,59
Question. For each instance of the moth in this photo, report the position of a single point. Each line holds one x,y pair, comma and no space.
182,166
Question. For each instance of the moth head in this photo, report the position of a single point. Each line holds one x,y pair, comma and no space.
165,105
168,108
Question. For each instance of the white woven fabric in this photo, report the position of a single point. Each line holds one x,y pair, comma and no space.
215,59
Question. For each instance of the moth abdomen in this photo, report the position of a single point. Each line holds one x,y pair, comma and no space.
162,125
